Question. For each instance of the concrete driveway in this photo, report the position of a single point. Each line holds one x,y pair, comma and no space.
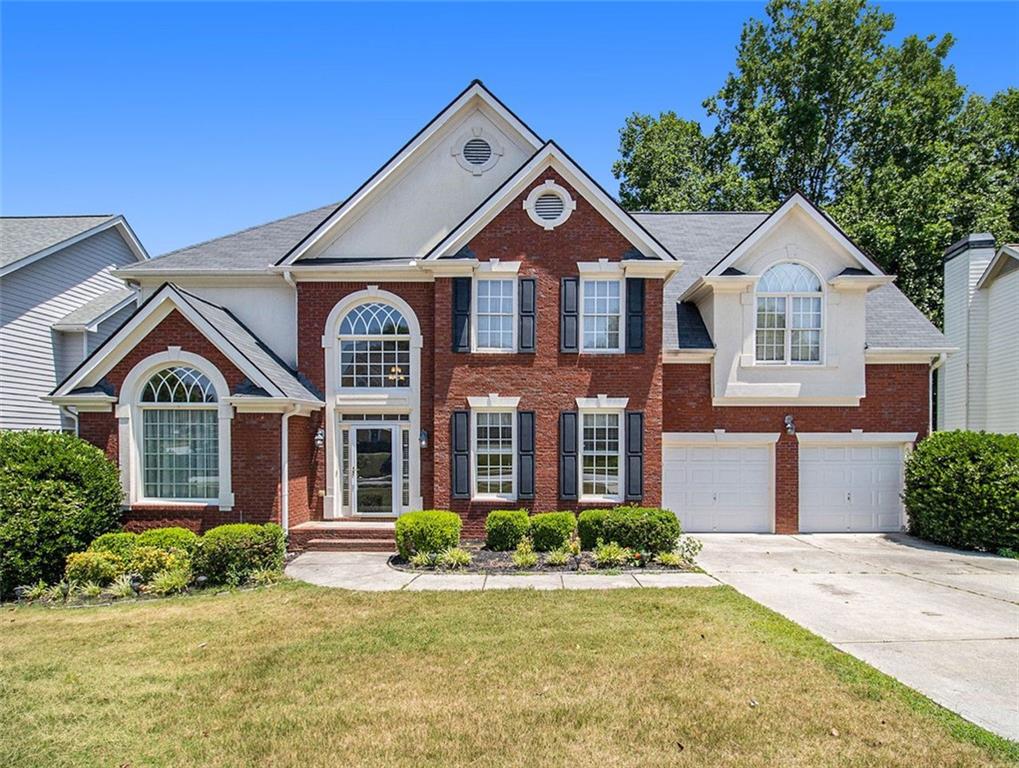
942,621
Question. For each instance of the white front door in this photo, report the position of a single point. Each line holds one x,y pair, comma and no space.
374,455
851,487
719,487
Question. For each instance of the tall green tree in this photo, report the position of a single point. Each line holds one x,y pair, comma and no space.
884,136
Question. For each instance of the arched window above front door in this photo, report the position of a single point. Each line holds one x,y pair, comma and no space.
374,347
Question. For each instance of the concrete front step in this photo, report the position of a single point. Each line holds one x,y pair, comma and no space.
349,545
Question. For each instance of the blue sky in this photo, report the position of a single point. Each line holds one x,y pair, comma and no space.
195,120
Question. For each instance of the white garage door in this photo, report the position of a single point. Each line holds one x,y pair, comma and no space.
719,487
850,488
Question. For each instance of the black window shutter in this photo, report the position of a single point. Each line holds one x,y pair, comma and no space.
634,455
525,454
634,314
460,428
567,455
569,315
527,335
461,314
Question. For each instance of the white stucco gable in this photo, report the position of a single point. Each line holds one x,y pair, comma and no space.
429,186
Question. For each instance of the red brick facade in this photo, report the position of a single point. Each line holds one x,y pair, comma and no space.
896,401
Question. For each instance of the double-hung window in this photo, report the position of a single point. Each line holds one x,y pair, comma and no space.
789,316
601,455
495,315
494,440
602,312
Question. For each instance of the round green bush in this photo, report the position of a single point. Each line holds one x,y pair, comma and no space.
231,554
57,494
148,561
504,528
552,530
169,538
430,530
120,543
589,527
95,567
962,490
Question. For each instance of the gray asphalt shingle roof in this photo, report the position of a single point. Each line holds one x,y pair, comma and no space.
95,308
703,239
252,248
22,236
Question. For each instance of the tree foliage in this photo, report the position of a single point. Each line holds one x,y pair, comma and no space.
882,135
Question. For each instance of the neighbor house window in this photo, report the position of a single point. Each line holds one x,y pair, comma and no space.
493,454
600,456
374,347
495,313
180,436
602,309
789,321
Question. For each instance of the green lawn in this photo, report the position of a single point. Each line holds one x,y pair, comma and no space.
296,675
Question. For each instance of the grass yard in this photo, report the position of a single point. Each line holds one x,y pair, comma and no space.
296,675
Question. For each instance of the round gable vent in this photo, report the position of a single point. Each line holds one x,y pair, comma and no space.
477,151
549,204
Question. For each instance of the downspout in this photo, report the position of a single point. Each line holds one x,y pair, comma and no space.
285,467
938,362
72,415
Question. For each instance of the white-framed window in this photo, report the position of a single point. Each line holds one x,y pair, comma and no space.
549,205
789,318
179,436
493,454
495,314
601,310
374,348
601,455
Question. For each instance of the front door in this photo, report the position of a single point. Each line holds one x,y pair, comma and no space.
373,470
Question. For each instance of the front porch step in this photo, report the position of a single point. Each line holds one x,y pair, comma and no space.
349,545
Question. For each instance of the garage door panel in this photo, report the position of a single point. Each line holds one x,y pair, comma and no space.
850,488
719,488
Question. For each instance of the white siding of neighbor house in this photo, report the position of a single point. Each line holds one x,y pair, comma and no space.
1003,353
31,300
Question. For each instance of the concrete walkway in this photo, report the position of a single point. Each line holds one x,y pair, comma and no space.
942,621
370,571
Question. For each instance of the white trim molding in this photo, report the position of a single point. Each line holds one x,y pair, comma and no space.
602,402
856,436
549,187
493,402
477,132
720,437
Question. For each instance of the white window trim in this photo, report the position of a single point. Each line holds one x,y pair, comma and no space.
494,273
549,187
591,277
493,403
602,404
129,415
787,351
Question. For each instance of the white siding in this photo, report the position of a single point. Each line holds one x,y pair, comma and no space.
1003,353
31,300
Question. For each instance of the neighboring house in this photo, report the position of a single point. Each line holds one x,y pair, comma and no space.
59,301
978,386
480,326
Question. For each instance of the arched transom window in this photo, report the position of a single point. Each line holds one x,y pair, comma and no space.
180,436
789,321
374,347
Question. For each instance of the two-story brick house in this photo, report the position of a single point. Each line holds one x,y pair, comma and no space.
480,326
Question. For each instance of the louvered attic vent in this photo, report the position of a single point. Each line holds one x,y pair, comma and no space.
477,151
549,206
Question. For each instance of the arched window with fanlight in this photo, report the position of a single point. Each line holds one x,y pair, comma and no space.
374,347
180,436
789,316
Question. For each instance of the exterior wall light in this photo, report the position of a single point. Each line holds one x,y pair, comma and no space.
320,437
423,438
790,425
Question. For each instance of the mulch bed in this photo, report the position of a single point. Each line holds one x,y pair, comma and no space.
487,561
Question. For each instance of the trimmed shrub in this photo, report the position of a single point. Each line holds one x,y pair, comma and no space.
169,538
644,529
589,526
93,567
148,561
57,493
552,530
962,490
230,554
505,528
120,543
430,530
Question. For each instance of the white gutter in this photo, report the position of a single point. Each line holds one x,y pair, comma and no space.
285,467
932,383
